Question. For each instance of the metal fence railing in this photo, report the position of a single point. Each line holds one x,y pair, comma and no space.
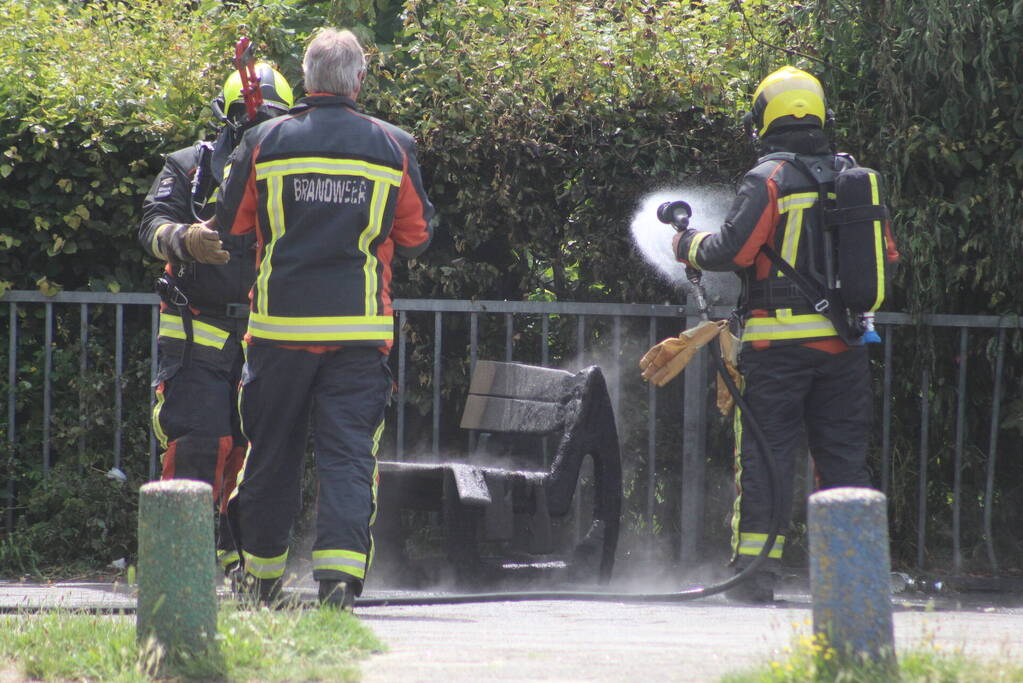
438,344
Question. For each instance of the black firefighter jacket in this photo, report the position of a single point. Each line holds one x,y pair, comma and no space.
331,194
775,205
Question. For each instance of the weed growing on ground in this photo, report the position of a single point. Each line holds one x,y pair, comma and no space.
251,644
811,660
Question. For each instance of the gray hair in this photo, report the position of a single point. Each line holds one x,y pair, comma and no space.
332,63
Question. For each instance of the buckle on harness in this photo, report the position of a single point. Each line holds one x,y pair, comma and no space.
235,310
170,292
822,305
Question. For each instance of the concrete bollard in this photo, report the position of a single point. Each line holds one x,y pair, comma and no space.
849,576
177,600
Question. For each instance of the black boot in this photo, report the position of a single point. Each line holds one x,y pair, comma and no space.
758,589
337,594
251,589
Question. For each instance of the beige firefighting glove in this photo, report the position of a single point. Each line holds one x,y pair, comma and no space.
184,243
204,245
730,355
664,361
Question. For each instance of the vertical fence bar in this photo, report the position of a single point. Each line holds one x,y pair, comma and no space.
400,437
580,341
957,477
47,388
12,395
474,334
616,396
989,488
694,453
580,351
651,437
545,330
921,529
886,412
474,341
118,370
437,341
83,366
154,334
509,336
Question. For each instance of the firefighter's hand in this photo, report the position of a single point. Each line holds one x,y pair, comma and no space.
664,361
204,245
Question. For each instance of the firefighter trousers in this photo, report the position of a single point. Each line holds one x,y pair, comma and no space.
343,394
195,416
795,392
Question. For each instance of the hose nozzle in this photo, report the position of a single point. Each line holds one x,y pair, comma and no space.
675,213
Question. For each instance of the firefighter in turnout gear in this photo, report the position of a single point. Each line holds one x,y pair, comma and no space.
332,195
204,310
800,377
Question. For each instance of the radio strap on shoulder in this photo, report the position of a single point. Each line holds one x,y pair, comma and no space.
202,179
186,323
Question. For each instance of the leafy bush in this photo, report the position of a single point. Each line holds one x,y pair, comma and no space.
91,95
542,124
74,517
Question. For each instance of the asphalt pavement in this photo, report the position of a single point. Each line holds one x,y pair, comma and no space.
694,641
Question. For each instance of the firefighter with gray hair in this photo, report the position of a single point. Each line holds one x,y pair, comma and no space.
332,194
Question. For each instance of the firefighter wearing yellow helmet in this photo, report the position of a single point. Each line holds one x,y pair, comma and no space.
277,95
805,374
788,98
204,311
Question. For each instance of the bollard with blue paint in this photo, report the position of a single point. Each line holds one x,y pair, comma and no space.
849,577
177,599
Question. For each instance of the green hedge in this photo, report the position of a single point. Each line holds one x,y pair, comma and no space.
542,124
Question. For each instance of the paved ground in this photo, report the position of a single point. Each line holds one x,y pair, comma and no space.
591,641
614,642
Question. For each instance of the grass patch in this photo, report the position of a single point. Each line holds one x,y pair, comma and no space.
253,645
810,660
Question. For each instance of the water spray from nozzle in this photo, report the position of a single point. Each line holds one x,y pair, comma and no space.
677,214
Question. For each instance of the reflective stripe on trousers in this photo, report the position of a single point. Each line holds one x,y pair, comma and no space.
265,567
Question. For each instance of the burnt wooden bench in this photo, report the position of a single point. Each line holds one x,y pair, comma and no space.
509,507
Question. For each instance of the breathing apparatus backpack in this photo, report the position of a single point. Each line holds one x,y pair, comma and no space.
848,277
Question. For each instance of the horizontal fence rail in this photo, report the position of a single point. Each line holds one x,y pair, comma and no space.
438,345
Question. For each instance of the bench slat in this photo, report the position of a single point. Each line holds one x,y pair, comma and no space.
514,380
510,415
